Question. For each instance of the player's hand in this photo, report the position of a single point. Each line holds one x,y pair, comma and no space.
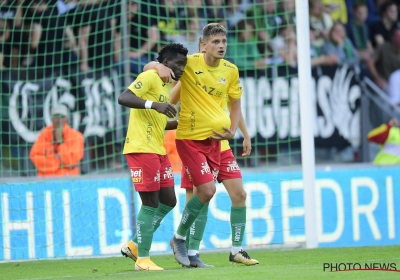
165,73
246,147
227,135
394,122
164,108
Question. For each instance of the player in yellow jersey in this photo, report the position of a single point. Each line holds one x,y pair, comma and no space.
231,176
144,151
207,84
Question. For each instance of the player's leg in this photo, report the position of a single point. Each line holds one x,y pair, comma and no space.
167,201
167,192
196,232
193,156
145,170
231,177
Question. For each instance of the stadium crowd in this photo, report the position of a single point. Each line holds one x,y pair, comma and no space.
86,35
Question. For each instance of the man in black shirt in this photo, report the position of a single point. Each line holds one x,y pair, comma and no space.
10,32
143,34
381,31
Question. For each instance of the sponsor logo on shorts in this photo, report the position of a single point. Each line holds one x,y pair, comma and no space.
233,166
137,175
169,173
188,173
215,174
205,169
157,177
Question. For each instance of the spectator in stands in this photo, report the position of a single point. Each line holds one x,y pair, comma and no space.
144,35
284,44
47,36
320,21
288,10
382,30
216,9
358,32
340,45
266,21
194,8
337,10
95,36
373,13
5,48
388,136
58,149
317,57
233,13
190,34
394,87
167,20
242,50
386,60
12,36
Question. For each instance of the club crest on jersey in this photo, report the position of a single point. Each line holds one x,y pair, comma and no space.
137,175
222,81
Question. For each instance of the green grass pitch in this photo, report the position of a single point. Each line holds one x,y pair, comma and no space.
274,264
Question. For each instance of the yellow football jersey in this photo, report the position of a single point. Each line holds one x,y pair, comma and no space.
204,96
146,127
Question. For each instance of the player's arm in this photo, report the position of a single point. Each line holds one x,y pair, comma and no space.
165,73
246,136
129,99
175,95
234,93
171,125
235,117
235,114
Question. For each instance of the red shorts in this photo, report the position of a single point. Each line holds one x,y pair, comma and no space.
150,172
200,159
228,169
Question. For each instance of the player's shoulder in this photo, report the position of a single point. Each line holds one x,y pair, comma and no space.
150,74
227,65
195,56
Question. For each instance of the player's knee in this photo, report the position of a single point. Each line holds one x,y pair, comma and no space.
210,193
242,195
206,192
171,202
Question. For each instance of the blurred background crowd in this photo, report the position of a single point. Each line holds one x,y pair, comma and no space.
87,35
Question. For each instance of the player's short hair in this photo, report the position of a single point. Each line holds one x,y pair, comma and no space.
200,41
213,29
170,51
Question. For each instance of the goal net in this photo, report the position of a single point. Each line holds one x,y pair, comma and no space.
82,55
